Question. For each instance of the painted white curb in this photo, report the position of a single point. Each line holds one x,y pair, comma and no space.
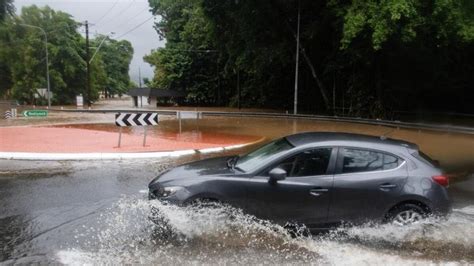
112,156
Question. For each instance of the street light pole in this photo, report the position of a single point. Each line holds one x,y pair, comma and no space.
100,45
88,73
295,106
47,59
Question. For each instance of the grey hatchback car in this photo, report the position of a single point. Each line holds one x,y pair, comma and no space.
317,179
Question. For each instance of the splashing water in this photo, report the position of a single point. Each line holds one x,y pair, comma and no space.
141,231
432,240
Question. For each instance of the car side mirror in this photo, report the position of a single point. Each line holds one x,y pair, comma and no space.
277,174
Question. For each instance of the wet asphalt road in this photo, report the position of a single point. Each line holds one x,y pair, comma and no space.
42,203
82,212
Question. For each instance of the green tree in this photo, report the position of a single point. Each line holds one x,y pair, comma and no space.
23,65
188,62
116,57
404,20
26,59
368,57
6,8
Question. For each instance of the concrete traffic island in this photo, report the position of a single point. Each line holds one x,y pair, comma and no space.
64,143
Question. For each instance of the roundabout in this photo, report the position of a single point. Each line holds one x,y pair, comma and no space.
99,141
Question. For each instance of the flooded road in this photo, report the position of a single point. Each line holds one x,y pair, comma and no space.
94,212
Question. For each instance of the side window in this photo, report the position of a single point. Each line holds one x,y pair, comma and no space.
390,162
308,163
355,160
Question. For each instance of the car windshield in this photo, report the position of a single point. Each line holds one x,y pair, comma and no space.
262,155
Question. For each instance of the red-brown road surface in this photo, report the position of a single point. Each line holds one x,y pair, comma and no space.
74,140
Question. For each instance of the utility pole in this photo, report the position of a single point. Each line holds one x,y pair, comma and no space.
88,85
238,88
295,106
139,77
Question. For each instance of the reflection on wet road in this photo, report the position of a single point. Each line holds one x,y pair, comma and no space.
83,212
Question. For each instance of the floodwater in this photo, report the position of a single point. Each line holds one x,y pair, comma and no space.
454,151
96,212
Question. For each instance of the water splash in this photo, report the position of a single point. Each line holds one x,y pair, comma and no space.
435,239
141,231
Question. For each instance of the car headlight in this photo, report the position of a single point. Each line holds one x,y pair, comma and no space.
169,191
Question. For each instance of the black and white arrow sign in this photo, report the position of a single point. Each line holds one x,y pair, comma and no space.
127,120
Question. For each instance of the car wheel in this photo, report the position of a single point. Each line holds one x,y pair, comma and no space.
407,214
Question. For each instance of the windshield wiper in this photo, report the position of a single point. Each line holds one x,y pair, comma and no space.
231,162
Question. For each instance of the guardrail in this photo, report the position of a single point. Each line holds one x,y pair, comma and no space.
380,122
9,102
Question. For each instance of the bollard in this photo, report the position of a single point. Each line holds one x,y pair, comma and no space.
120,137
144,136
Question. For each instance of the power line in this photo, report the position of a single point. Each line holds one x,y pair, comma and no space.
191,50
134,28
133,17
108,11
118,14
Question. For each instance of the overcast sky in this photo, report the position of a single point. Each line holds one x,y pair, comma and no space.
119,16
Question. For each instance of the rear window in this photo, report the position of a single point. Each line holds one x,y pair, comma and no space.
425,158
359,160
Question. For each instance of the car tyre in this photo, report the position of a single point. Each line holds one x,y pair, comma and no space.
406,214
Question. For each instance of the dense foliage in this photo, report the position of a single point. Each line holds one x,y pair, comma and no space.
116,57
6,8
23,65
369,57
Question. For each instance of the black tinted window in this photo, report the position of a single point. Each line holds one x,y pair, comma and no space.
356,160
308,163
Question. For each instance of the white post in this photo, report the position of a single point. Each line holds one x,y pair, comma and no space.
120,137
144,136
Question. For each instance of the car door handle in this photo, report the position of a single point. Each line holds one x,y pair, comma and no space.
386,187
317,191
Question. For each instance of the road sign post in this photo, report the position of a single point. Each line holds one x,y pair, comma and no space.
180,115
128,120
35,113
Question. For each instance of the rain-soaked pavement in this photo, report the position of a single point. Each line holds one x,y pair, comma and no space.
94,212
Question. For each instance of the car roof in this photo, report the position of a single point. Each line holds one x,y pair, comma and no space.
311,137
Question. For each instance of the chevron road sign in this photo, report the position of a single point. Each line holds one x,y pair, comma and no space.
8,115
127,120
